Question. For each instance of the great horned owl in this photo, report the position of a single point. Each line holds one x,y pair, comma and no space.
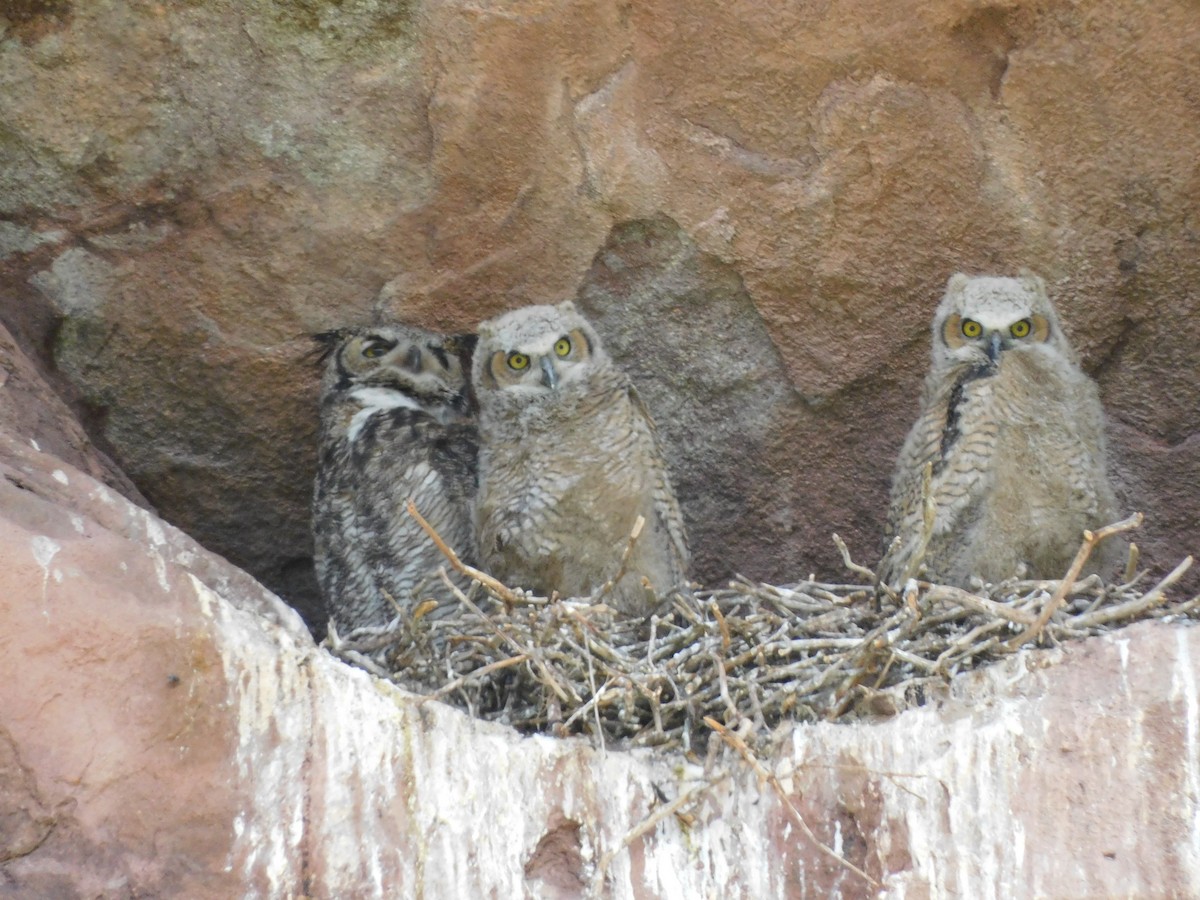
1012,433
568,459
395,424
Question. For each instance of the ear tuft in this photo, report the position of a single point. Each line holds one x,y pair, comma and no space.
327,343
462,345
1032,280
957,283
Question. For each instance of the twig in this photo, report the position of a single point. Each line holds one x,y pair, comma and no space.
723,684
723,625
752,761
978,604
648,824
850,564
595,695
1151,598
475,675
507,638
496,587
1131,562
1090,540
638,524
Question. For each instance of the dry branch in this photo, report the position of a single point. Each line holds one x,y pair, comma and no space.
477,575
675,807
1090,540
752,761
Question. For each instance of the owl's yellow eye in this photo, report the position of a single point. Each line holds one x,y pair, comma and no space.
517,361
563,346
971,328
375,350
1020,329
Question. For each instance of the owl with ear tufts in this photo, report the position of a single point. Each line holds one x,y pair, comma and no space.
568,460
1005,466
396,424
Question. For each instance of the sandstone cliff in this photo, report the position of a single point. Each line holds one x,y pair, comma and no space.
759,204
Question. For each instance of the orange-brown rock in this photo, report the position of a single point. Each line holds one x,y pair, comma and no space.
761,201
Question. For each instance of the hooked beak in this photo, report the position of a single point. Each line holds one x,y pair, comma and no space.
549,376
413,359
994,346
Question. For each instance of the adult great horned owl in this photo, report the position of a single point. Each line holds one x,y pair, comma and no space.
568,459
1012,433
395,424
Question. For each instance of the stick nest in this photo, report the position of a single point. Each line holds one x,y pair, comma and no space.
748,655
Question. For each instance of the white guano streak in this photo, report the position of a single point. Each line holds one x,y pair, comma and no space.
1185,683
272,735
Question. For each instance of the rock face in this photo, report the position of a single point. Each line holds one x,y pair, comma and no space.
759,202
29,407
168,729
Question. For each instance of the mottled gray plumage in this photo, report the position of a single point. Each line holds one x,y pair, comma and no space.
1012,433
395,425
568,460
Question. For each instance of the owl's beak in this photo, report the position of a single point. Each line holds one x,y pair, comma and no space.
549,376
994,346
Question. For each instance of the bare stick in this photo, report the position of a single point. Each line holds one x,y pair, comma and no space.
751,760
979,604
593,703
475,674
649,824
638,524
1090,540
1151,598
496,587
508,638
1131,563
723,682
850,564
595,694
392,600
723,625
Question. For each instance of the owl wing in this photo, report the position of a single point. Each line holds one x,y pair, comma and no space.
1089,462
418,457
666,506
367,546
341,539
1075,491
943,463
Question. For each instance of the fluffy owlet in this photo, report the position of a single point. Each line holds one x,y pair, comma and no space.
1012,433
568,459
395,424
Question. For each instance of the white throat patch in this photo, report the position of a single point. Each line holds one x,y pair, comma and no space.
376,400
